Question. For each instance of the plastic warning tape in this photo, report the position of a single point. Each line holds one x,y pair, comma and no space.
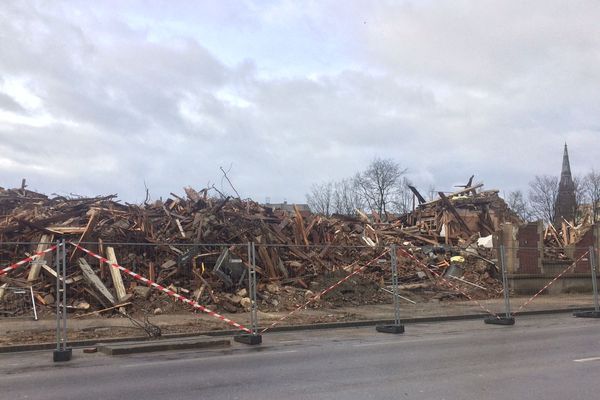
26,260
329,289
551,282
164,290
446,281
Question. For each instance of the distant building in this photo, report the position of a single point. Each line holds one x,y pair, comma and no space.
289,208
566,204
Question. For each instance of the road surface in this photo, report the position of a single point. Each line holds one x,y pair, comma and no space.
541,357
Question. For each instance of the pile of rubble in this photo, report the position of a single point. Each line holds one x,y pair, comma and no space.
297,254
556,241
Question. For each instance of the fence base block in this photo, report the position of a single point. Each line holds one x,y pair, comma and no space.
390,328
248,339
500,321
62,355
587,314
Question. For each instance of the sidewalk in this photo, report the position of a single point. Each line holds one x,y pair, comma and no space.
21,331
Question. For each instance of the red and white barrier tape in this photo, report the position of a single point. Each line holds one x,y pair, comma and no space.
26,260
165,290
330,288
447,282
551,282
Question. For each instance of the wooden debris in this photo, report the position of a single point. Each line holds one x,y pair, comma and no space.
285,241
103,310
36,265
91,221
115,273
3,290
103,294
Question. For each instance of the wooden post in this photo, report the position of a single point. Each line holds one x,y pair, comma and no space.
36,265
151,272
115,273
3,290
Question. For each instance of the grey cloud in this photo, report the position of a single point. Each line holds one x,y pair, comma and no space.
9,104
448,91
485,44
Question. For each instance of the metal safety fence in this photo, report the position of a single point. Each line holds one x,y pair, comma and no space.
252,289
20,296
322,289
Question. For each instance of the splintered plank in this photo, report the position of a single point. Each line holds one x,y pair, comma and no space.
455,213
66,230
556,236
102,293
116,275
88,227
151,271
178,222
300,225
282,268
421,238
36,265
192,194
565,234
265,257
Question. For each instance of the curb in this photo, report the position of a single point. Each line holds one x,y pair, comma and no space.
290,328
161,345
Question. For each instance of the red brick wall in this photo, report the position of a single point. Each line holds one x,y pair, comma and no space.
528,255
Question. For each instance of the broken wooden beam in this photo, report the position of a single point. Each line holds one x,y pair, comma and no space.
420,198
115,274
88,227
36,265
455,213
102,293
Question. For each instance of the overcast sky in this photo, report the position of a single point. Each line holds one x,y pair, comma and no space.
100,97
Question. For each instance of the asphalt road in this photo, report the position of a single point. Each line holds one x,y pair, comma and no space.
542,357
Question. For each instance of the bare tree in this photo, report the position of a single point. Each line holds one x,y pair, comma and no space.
591,186
380,184
543,191
516,202
403,201
346,197
320,198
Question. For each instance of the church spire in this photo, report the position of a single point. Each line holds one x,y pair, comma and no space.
566,203
566,166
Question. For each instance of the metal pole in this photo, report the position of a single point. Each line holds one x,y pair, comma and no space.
396,327
505,283
62,353
252,277
64,298
395,285
57,262
254,337
35,316
594,282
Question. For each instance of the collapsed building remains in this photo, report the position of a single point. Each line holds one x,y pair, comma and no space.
297,254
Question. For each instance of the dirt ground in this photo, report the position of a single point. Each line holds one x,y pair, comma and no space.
179,320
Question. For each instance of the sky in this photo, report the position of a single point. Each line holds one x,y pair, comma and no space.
114,97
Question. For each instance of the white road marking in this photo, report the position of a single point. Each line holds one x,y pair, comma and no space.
588,359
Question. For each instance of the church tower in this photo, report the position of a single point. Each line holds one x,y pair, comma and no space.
565,201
